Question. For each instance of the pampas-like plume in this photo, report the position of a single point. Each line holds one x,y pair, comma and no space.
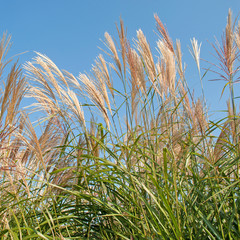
179,59
4,47
136,69
137,80
53,93
200,116
112,47
13,93
168,68
102,77
123,43
163,31
104,69
146,54
73,104
32,142
47,75
227,53
72,81
95,95
45,102
52,66
196,51
237,36
15,85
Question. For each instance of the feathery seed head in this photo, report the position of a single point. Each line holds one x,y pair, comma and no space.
95,96
196,51
163,31
145,51
112,47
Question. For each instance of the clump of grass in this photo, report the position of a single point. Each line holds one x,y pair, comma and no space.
149,168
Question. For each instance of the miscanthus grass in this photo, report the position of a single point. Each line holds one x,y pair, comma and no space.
123,152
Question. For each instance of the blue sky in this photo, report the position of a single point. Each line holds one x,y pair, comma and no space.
70,31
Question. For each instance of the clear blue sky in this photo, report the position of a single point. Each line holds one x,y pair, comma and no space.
70,31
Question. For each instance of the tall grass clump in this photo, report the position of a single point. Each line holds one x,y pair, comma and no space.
124,152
